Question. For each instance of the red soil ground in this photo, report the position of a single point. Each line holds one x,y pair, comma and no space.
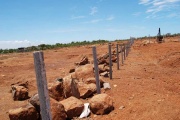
147,85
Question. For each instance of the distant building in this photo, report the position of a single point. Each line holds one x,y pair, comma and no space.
22,49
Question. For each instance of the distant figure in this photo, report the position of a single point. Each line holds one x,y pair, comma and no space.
159,37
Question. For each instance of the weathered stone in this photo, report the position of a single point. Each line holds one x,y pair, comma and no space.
103,68
70,87
34,100
57,110
93,80
86,90
73,107
114,58
104,74
92,86
27,112
101,104
85,71
20,83
107,68
56,90
19,92
113,52
72,70
102,60
105,56
84,60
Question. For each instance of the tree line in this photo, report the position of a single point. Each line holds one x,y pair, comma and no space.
48,46
78,43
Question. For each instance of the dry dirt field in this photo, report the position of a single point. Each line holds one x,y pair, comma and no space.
147,85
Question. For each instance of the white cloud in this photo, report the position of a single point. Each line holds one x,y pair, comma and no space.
77,17
110,18
156,6
154,10
14,44
15,41
94,10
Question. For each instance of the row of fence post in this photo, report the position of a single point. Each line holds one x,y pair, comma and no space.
125,49
41,74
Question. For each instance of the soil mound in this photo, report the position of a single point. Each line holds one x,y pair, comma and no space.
171,60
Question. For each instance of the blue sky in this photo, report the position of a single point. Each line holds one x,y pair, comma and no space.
32,22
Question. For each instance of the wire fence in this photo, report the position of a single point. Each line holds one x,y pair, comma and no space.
124,49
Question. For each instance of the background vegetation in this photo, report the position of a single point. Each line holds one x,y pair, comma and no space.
61,45
47,46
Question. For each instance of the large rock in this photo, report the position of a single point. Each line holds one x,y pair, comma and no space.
114,58
34,100
93,80
19,92
56,90
102,60
86,90
27,112
104,74
21,83
57,110
73,106
85,71
103,68
70,87
101,104
84,60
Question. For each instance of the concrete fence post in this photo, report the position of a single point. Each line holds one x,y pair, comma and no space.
127,48
110,61
117,55
96,70
125,51
42,85
122,55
